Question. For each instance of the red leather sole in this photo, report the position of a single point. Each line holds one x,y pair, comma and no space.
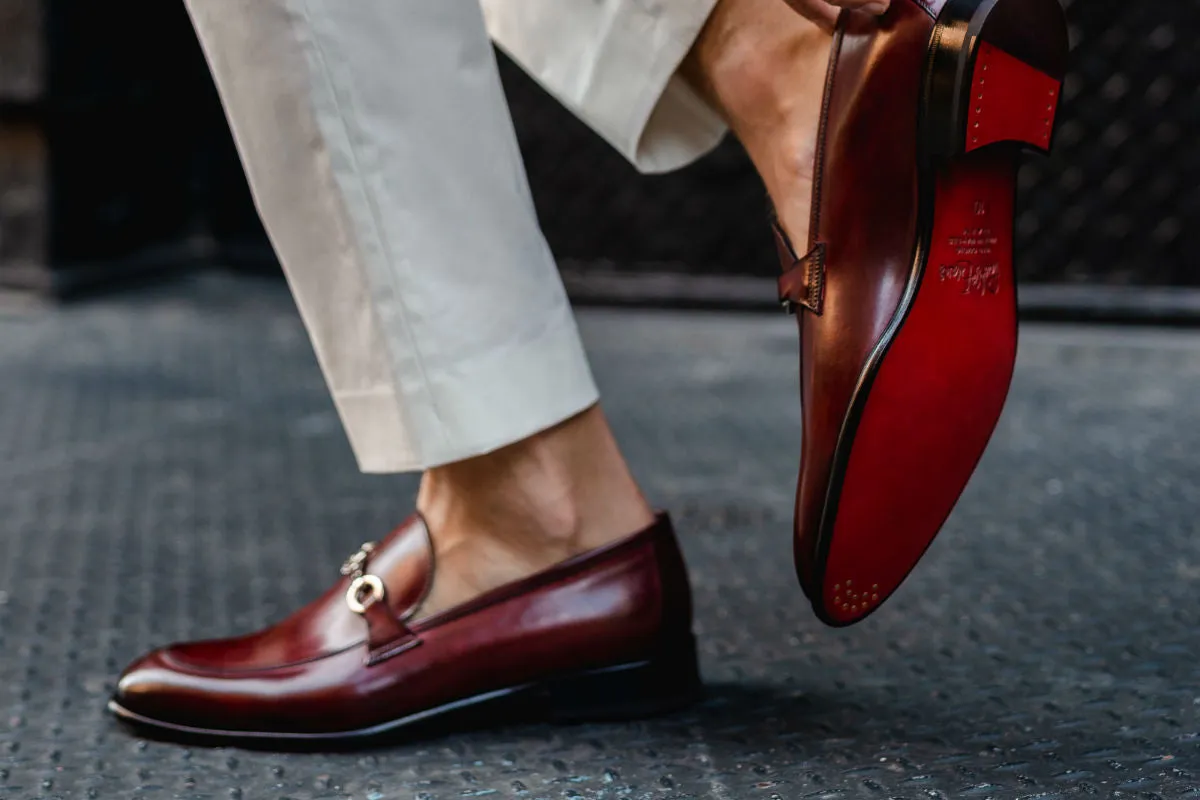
936,394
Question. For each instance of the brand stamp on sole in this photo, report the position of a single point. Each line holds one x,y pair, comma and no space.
979,279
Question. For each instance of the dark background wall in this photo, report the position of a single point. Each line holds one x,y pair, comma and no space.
1119,200
114,151
105,113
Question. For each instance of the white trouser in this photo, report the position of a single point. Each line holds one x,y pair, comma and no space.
382,158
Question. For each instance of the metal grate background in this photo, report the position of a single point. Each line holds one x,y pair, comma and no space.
171,467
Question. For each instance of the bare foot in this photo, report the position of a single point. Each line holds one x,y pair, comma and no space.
763,66
503,516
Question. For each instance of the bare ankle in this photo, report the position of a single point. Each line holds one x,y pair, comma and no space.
763,65
558,493
746,58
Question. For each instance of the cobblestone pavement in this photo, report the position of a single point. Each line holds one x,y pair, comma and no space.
170,467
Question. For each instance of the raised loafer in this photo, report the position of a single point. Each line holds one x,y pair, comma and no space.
905,294
604,635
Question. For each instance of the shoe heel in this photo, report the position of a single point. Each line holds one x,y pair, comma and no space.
996,72
1009,102
665,683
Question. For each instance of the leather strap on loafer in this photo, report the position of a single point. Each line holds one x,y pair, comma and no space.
802,283
368,595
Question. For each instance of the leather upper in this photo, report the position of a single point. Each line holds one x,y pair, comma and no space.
313,671
865,224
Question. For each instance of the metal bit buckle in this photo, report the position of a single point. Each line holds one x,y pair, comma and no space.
365,590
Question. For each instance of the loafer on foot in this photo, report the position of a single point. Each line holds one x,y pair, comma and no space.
604,635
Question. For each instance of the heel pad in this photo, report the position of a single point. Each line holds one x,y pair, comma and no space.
1010,101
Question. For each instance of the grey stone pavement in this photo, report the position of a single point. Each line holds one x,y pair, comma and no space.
170,467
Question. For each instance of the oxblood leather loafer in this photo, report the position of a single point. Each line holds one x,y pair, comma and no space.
604,635
905,295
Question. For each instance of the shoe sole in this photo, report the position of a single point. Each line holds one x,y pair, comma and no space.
933,390
620,692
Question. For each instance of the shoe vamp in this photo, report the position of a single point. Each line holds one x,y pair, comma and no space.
316,631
